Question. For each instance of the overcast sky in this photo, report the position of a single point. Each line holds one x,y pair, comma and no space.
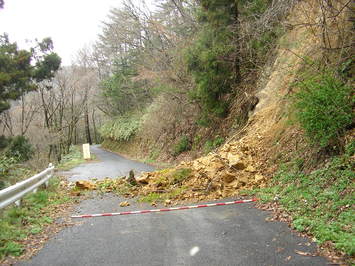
70,23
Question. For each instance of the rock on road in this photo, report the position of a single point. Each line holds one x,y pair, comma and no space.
226,235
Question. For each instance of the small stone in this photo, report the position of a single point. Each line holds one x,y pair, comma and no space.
250,169
258,178
124,204
227,177
83,184
143,179
243,180
239,166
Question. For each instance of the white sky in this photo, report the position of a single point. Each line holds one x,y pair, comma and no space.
71,24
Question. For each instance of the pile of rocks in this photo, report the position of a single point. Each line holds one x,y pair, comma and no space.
219,174
216,175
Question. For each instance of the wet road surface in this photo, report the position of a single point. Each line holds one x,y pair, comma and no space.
225,235
110,165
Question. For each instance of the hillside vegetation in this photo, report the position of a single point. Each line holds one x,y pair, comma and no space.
189,84
264,90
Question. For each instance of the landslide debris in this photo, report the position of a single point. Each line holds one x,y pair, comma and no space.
217,175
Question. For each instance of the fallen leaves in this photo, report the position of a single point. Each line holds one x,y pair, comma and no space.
302,253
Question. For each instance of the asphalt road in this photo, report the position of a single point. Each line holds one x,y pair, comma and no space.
109,165
225,235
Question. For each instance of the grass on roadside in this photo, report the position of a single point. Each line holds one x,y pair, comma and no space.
322,202
72,159
19,223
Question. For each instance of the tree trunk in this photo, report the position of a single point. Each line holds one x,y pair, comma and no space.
94,126
237,46
87,126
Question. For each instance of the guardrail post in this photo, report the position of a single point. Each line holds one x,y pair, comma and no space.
50,175
46,184
18,203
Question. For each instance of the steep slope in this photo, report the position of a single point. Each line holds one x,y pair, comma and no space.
245,162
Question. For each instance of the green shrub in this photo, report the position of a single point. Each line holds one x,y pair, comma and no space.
211,57
213,144
11,248
40,198
324,108
121,128
182,145
5,165
4,141
20,148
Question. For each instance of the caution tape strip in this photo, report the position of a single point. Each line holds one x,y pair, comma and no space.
164,210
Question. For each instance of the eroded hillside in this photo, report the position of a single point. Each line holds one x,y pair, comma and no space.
247,159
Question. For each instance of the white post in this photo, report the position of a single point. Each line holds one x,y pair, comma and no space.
86,151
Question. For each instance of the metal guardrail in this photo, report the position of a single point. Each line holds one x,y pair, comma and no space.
14,193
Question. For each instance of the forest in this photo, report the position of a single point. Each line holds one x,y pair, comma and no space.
165,78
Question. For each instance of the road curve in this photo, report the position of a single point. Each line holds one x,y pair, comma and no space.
110,165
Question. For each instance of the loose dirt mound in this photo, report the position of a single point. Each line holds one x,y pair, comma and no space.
214,176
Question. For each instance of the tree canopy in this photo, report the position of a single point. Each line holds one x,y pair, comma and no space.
21,70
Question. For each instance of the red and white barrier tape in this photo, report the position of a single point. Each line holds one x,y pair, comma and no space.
164,210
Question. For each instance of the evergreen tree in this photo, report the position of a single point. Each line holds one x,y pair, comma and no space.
212,58
21,70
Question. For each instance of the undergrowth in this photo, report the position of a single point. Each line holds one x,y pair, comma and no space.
324,108
19,223
210,145
321,203
122,128
182,145
12,172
